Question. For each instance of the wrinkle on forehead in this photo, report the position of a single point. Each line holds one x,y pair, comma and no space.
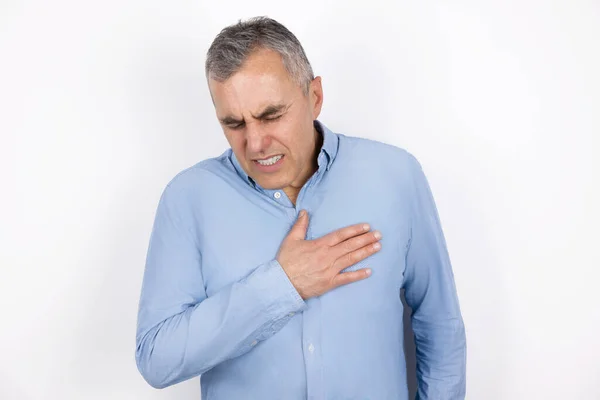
261,82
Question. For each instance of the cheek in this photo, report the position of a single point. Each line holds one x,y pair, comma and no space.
290,132
236,142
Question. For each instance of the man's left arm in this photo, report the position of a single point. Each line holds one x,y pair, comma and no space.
431,293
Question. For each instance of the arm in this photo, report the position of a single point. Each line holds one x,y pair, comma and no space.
430,292
181,332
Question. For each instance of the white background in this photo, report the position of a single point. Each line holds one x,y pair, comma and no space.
101,103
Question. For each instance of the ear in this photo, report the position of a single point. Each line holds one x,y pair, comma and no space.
315,91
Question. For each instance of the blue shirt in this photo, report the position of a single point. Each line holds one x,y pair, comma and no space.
216,303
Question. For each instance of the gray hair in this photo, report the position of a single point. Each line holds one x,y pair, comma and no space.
235,43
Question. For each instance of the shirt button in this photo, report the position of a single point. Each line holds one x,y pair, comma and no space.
277,195
253,343
292,314
311,348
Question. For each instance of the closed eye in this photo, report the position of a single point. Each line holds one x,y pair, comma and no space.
236,126
274,118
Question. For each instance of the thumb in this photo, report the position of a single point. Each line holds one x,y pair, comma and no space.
298,231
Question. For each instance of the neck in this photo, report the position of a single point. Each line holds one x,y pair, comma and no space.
293,191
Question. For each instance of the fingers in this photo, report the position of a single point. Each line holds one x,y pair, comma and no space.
298,231
340,235
348,277
356,256
356,243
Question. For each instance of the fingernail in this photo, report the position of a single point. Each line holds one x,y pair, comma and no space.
302,213
377,246
368,271
366,227
377,235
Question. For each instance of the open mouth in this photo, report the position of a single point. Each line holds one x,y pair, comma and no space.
269,161
270,164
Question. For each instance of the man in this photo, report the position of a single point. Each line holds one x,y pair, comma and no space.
265,301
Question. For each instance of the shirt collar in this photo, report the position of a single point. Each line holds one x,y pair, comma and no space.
330,142
329,149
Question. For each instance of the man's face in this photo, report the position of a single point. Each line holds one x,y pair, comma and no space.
268,121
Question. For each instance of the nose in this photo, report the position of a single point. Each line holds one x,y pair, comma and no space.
257,141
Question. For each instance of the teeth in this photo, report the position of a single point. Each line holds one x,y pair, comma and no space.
269,161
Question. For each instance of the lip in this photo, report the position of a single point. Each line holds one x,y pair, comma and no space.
269,168
266,158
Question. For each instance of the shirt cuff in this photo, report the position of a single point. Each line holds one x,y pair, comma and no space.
274,287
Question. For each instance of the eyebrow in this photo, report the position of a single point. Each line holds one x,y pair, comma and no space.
270,110
267,112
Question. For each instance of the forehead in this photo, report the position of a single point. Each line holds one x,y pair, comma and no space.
262,80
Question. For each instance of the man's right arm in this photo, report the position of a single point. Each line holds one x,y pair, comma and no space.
181,332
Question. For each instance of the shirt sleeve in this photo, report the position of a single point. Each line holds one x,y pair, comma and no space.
431,293
181,333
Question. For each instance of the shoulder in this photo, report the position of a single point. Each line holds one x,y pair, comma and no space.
186,188
391,158
198,175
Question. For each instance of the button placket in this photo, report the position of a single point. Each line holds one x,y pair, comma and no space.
311,332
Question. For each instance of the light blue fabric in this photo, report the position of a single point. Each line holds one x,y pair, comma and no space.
216,303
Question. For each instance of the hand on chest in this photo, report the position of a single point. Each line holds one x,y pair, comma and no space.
234,248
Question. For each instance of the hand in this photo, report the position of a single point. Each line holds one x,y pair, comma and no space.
314,266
